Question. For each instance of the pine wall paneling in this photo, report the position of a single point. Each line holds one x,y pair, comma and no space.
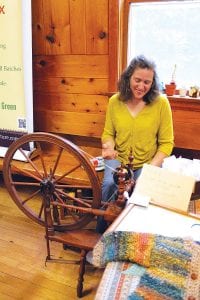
73,43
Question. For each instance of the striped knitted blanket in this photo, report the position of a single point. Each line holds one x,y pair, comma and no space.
170,266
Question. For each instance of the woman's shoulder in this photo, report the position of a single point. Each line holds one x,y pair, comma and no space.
161,99
114,99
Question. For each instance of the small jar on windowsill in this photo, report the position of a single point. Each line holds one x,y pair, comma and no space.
170,88
182,92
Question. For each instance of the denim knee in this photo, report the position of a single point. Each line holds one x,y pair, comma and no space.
109,189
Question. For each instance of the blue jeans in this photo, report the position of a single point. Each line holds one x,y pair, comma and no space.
109,188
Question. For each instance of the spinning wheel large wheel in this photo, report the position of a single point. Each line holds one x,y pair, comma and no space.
57,166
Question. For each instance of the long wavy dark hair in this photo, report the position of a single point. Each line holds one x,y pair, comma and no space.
124,89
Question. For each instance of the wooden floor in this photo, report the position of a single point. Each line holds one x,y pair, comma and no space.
23,274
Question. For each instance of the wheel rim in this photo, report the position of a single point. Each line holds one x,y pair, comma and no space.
59,167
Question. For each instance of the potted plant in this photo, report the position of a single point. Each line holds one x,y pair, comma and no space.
171,87
194,91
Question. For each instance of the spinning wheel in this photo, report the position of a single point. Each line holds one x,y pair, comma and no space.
57,169
57,186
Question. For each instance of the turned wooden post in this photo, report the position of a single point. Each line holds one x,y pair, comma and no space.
121,187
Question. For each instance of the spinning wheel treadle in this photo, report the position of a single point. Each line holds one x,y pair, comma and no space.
58,170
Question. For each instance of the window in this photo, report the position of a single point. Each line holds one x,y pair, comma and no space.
168,33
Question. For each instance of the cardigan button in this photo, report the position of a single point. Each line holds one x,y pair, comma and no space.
194,276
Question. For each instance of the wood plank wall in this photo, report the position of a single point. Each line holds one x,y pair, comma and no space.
72,48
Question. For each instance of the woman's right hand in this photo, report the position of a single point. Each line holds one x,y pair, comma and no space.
108,151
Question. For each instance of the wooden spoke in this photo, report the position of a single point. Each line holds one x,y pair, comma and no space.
69,186
77,200
25,183
41,158
74,216
30,197
68,173
17,170
30,161
56,163
41,210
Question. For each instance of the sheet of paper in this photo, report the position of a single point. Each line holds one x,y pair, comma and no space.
139,199
157,220
164,187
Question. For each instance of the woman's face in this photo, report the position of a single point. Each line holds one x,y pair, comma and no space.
141,82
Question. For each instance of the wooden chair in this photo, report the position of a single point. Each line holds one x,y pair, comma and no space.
83,239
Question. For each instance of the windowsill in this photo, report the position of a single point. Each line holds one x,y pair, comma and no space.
184,103
188,98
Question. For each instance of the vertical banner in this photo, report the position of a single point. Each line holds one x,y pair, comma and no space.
16,100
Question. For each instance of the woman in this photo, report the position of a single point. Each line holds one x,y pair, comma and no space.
139,118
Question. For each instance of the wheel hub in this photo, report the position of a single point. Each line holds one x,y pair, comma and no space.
47,186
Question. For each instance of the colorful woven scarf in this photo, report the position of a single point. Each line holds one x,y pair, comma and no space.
172,265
